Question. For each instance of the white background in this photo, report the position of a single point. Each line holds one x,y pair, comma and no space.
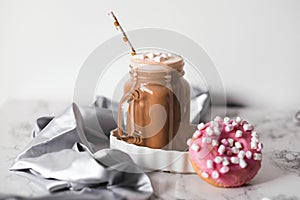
255,44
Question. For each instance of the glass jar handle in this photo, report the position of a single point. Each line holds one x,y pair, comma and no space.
126,122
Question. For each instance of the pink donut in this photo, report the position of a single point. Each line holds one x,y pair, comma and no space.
225,152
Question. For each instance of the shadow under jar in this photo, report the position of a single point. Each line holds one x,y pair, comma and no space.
156,103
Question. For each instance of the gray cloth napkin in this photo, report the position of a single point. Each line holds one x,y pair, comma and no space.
69,154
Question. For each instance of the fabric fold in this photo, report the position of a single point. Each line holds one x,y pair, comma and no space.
70,152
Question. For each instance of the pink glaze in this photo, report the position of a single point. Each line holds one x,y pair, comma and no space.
238,174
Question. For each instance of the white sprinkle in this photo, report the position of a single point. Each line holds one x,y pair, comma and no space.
226,120
256,156
243,163
215,143
200,126
230,141
238,133
150,55
197,134
224,169
247,127
234,160
253,145
228,128
238,145
217,131
195,147
218,159
241,154
206,140
235,150
249,154
209,131
204,175
221,149
254,134
215,174
218,118
157,53
209,164
238,120
224,141
189,142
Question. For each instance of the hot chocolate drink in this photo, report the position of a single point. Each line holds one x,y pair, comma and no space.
156,102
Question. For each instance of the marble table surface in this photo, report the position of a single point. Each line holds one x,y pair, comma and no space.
278,179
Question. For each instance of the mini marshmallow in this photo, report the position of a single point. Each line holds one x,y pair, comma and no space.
189,142
230,141
164,55
170,55
209,131
214,124
217,131
218,159
197,134
204,175
225,162
254,134
228,128
139,56
156,53
257,156
226,120
215,174
224,141
253,145
224,169
238,145
234,124
247,127
218,118
238,133
238,120
206,140
195,147
249,154
243,163
235,150
209,164
158,59
254,139
150,55
221,149
234,160
200,126
241,154
260,146
228,153
214,143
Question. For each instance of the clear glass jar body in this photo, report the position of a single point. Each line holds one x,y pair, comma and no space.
157,104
